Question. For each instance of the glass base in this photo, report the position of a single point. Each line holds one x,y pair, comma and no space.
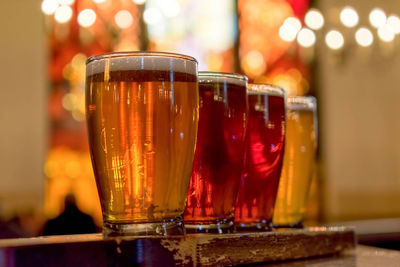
251,227
296,225
218,227
163,228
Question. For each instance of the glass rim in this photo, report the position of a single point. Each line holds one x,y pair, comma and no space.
301,102
140,54
265,88
215,74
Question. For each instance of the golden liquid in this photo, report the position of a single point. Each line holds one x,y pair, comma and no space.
142,139
300,146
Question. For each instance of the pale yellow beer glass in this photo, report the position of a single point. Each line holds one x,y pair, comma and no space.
298,161
142,114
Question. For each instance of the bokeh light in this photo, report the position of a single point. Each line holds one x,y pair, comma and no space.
66,2
99,1
349,17
253,63
139,2
152,15
377,17
170,8
63,14
306,37
86,17
394,22
364,37
123,19
289,29
334,40
386,33
314,19
49,6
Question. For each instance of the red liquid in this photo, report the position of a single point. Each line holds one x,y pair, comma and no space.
264,155
219,156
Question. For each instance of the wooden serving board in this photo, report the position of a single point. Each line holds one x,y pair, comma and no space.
188,250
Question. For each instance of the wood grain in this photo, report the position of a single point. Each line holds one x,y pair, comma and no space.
188,250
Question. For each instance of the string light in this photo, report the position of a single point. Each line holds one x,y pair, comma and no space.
86,17
334,40
289,29
349,17
63,14
123,19
66,2
394,22
377,17
306,37
385,33
314,19
364,37
49,6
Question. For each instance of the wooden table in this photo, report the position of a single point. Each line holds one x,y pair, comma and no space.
334,244
362,256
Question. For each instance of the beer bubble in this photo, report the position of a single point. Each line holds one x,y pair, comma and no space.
146,143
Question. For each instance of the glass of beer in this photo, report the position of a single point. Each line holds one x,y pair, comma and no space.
264,156
142,114
300,148
219,155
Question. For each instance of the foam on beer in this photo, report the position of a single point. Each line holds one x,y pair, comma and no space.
139,62
268,89
210,77
301,103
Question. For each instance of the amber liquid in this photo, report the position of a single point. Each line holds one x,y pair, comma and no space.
297,168
264,156
218,162
142,134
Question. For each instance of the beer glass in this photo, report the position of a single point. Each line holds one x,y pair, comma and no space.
301,143
264,156
219,155
142,114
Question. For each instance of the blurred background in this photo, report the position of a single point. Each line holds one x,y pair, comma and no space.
346,53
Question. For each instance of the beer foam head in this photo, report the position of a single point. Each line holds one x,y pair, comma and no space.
141,61
301,103
268,89
221,77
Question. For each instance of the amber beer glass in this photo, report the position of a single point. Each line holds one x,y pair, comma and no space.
265,138
301,143
142,113
218,162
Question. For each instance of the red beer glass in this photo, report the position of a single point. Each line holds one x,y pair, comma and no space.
264,156
219,155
